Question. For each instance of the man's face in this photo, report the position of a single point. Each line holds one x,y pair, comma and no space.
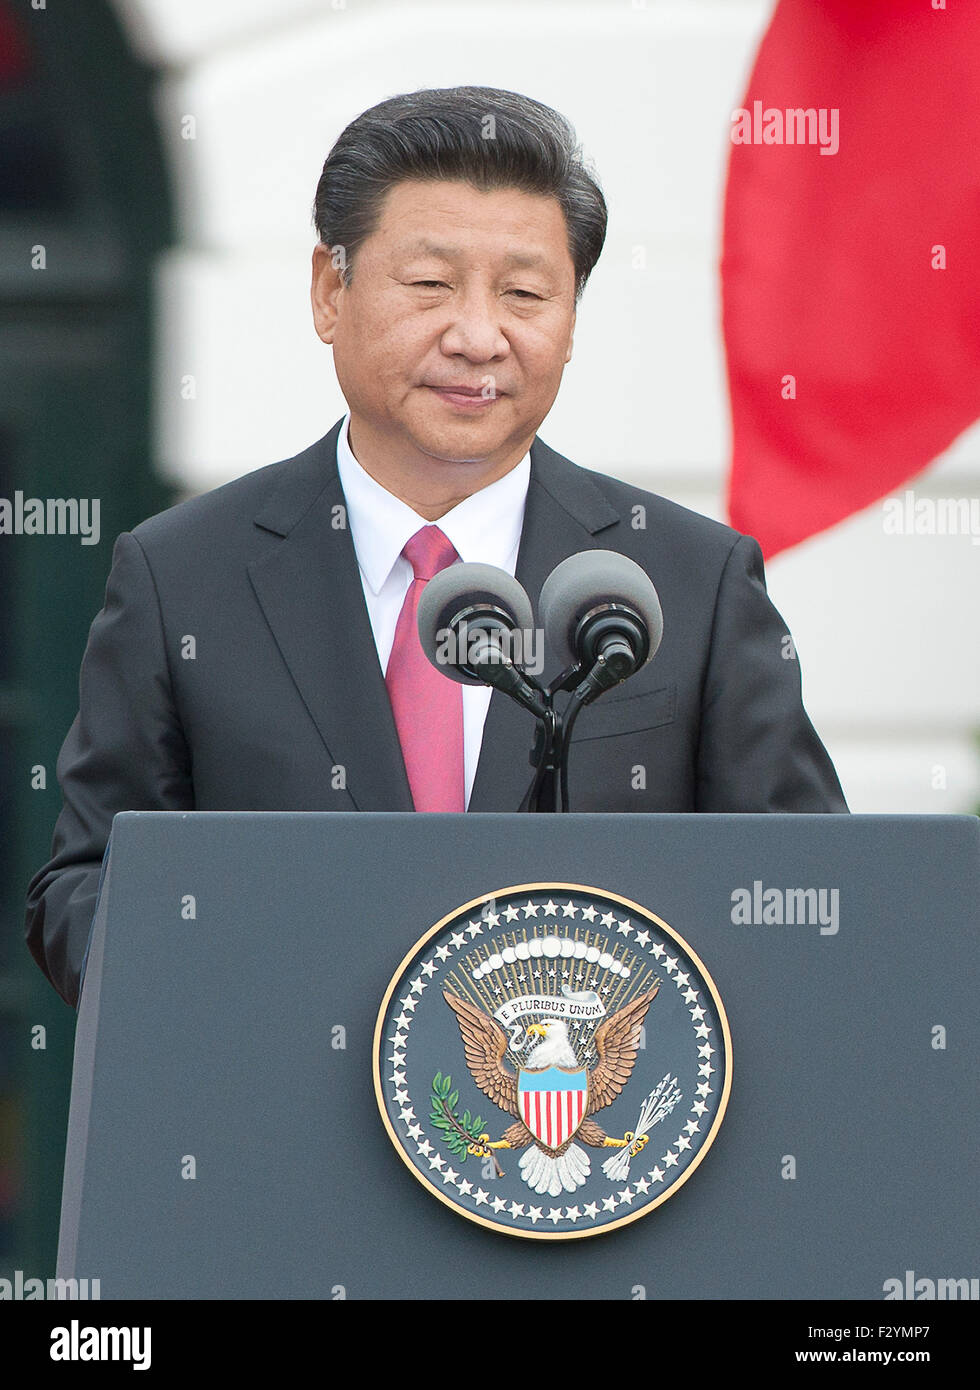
455,288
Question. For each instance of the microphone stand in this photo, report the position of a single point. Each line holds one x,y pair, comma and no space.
543,793
549,788
548,791
615,661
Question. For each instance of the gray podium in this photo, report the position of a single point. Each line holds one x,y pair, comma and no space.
854,1043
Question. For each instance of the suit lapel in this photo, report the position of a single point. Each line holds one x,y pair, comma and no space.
309,588
564,513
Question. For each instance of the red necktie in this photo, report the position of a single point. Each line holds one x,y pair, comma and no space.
428,706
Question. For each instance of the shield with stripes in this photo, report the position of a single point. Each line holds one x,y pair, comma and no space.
553,1102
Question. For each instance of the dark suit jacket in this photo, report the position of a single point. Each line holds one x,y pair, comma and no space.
233,667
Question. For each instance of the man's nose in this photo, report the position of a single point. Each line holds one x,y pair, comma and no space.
474,327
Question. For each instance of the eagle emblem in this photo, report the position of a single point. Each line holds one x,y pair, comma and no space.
551,1060
552,1097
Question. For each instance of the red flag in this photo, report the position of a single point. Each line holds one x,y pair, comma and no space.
850,278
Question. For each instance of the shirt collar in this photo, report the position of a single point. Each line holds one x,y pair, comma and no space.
485,526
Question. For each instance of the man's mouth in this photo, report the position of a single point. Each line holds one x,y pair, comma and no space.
465,397
458,390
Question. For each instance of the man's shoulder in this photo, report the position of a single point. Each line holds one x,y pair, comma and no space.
275,496
647,515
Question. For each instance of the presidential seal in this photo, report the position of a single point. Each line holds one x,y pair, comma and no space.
552,1061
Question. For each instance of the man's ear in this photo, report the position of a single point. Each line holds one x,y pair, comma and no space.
325,290
571,337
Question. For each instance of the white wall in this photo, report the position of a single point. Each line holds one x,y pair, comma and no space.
886,625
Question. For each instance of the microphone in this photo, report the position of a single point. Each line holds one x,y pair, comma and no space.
602,615
470,618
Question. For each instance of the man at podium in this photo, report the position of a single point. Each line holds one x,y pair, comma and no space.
257,649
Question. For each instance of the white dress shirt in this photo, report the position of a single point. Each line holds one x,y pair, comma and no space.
485,527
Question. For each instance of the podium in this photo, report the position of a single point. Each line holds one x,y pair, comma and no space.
225,1139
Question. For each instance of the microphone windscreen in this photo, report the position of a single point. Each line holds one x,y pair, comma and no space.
465,585
587,580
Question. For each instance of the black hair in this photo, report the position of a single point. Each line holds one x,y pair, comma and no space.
484,136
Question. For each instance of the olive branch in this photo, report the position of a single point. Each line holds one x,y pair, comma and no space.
457,1133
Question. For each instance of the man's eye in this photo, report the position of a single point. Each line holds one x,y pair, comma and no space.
528,294
437,284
